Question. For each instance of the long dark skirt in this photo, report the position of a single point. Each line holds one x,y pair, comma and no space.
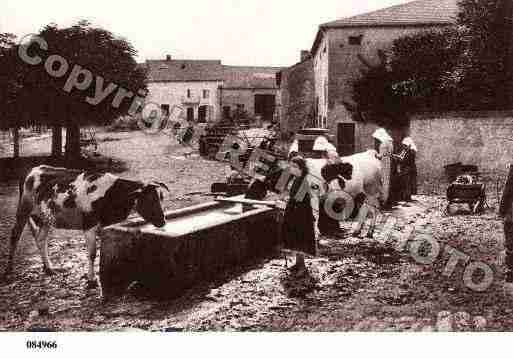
394,193
408,184
508,246
327,225
413,180
298,226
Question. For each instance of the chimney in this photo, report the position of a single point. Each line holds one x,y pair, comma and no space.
168,57
305,54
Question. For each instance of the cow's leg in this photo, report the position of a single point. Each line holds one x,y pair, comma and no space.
360,220
22,215
42,244
374,215
35,223
90,236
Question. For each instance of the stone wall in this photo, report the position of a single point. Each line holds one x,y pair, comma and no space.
484,139
296,96
321,68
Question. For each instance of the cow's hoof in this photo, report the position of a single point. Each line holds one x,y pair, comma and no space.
91,284
370,235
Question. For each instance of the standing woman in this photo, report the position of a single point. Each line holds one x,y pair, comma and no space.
298,221
384,145
506,212
410,168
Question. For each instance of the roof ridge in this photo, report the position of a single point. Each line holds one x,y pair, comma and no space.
373,12
185,60
387,8
253,67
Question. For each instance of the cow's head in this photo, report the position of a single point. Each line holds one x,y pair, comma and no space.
335,170
148,203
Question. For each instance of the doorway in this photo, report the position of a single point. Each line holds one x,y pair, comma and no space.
264,106
202,114
345,139
190,114
226,112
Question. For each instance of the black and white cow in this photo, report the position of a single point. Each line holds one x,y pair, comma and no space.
360,177
71,199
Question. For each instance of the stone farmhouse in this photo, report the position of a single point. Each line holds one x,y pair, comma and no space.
207,90
324,79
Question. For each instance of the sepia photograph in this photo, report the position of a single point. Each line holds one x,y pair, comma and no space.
257,166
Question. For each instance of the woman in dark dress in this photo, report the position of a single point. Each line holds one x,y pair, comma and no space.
298,221
407,170
411,166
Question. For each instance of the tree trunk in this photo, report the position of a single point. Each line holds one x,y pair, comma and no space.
16,140
56,141
72,141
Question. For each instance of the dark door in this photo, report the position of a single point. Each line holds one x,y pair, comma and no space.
190,114
264,106
226,112
202,114
345,139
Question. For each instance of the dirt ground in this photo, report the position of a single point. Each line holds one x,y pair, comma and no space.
354,283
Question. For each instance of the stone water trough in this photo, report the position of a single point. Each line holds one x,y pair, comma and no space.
197,243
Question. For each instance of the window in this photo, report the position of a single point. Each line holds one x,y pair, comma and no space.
165,109
206,93
188,93
355,40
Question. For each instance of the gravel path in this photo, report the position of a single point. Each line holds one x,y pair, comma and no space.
354,284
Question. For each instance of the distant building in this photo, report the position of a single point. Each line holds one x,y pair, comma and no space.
335,55
207,91
297,95
250,89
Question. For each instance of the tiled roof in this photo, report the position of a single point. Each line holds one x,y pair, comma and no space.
413,13
249,77
211,70
419,12
184,70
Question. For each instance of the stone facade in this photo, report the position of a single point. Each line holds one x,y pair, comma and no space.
252,89
340,46
187,95
337,66
297,96
484,139
203,89
244,98
321,81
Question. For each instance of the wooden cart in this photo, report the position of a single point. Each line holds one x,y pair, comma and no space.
467,189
